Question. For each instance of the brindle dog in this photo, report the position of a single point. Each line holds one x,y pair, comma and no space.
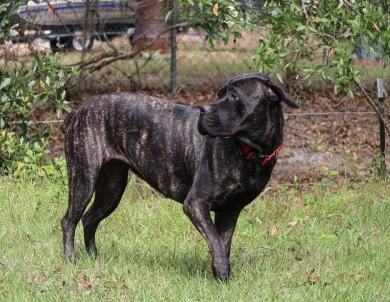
216,158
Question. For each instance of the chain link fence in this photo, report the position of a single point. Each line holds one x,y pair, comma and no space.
100,37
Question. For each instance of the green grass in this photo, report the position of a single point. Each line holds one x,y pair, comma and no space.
149,251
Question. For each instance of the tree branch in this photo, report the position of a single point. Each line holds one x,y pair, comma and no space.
105,59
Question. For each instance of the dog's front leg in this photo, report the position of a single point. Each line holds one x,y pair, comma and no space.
225,222
198,212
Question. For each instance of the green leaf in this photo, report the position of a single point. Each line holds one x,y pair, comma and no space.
336,88
201,6
221,34
208,3
349,93
203,30
63,94
279,76
284,54
307,69
237,34
168,16
5,83
5,107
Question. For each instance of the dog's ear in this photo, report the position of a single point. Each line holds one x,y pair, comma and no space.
278,93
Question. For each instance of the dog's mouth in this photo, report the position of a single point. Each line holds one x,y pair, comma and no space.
209,124
202,130
206,122
205,130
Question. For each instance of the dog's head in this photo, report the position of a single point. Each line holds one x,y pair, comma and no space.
246,103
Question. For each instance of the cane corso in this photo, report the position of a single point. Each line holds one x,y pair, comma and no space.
216,158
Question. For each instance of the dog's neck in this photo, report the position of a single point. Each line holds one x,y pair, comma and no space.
252,150
251,144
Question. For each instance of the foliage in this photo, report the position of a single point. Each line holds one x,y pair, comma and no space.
23,143
325,32
7,10
221,18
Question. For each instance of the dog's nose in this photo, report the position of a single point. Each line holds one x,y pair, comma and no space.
205,109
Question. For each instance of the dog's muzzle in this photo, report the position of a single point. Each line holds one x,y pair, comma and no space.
207,119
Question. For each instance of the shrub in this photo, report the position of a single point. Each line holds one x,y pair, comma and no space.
23,143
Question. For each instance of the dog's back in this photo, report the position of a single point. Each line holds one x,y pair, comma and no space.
140,131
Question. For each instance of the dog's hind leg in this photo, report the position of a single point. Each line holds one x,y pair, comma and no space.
81,188
110,186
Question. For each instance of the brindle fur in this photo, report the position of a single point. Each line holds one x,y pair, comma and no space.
189,155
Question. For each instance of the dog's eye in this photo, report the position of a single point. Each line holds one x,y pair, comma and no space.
233,97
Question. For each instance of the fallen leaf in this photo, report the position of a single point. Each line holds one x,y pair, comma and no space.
377,27
311,278
273,230
292,224
311,273
244,246
359,277
315,279
341,4
215,9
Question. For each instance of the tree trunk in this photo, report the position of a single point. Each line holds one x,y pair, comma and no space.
150,23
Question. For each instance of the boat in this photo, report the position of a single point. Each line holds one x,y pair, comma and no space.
64,13
63,22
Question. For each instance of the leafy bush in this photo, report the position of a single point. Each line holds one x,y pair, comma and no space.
7,10
22,147
23,143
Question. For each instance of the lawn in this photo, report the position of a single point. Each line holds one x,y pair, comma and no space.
319,243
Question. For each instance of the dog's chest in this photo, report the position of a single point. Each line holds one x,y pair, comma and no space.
238,191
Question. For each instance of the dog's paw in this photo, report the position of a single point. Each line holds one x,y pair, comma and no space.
222,278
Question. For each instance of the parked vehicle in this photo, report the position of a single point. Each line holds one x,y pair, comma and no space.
74,23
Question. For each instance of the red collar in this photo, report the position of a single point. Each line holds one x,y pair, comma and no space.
249,153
